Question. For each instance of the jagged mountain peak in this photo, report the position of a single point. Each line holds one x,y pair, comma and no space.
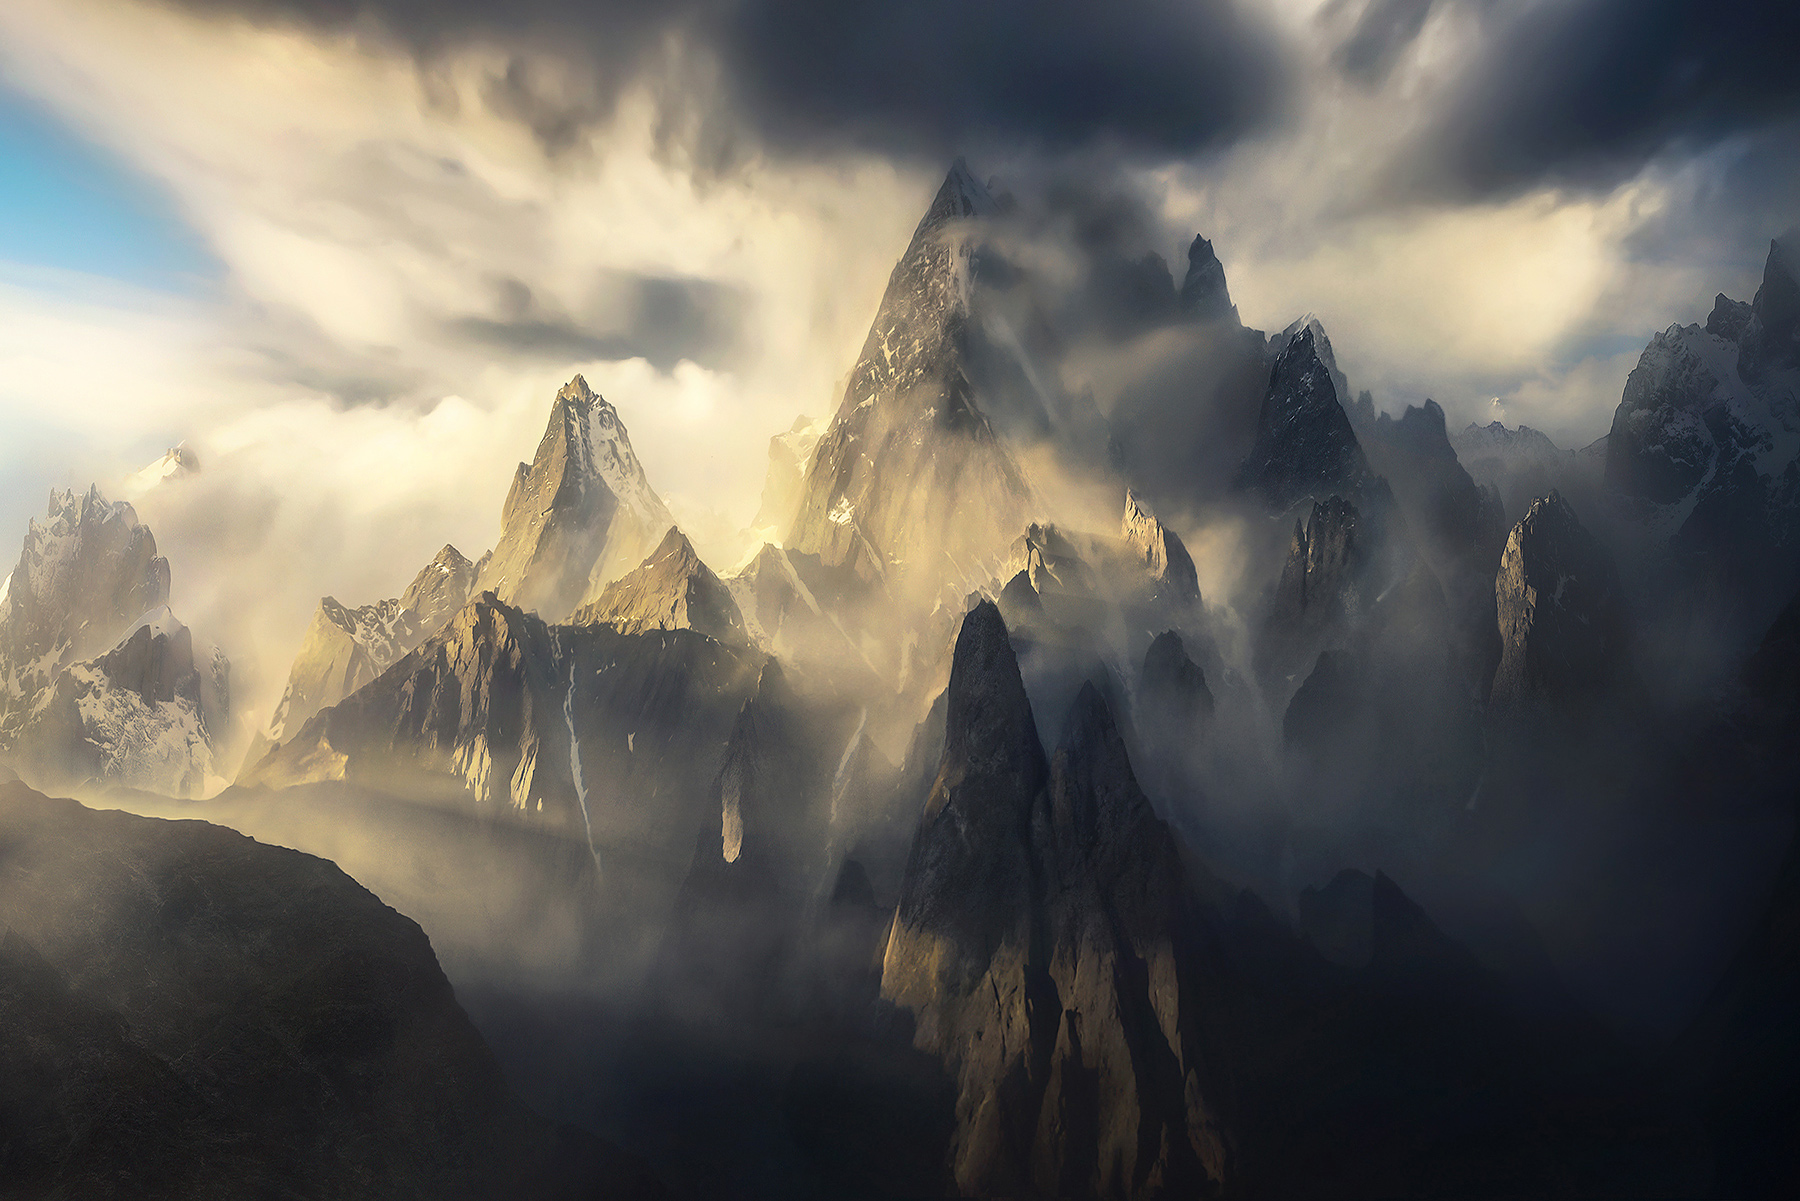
346,646
439,590
100,682
1160,551
1775,342
912,474
594,424
1499,436
989,726
178,462
1204,295
579,514
961,196
1311,325
1421,427
1305,445
673,589
1171,684
1027,891
86,572
1560,609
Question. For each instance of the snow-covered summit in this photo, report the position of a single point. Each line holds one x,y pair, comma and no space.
961,196
178,462
579,515
912,473
1305,445
1321,342
85,573
1705,444
101,682
606,447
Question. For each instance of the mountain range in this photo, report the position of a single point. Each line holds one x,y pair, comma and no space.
965,838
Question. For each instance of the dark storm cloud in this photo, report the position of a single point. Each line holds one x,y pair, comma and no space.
660,319
1567,92
926,76
1383,32
1584,93
1164,74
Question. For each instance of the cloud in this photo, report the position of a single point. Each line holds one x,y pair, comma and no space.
1383,32
1587,92
926,78
660,319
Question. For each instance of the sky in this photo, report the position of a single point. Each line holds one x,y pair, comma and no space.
348,249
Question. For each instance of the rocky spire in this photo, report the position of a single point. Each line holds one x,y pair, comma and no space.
670,590
1203,293
1773,341
86,574
1160,552
911,474
1304,442
1562,624
1038,906
439,590
1172,689
345,647
1322,581
101,682
579,514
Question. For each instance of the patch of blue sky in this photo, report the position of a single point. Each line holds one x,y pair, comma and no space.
67,204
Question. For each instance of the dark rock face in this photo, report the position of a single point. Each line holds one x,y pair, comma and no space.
579,514
1771,681
1204,296
562,727
1032,945
1562,625
1305,445
476,709
1440,499
1327,707
158,666
1741,1054
1744,1052
1172,685
911,474
344,648
1182,418
774,788
185,1013
1703,442
671,590
748,936
1338,919
1324,584
1729,319
1457,526
1019,601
